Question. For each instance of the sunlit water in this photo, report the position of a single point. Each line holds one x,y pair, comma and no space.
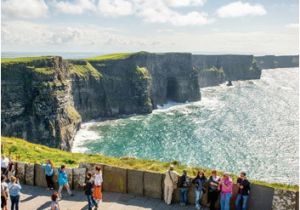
252,126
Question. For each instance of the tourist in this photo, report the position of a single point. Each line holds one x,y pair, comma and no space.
241,202
14,191
183,184
54,201
226,191
171,178
97,193
4,193
213,192
63,181
199,182
48,168
89,191
4,165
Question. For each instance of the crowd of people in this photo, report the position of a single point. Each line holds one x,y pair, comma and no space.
214,187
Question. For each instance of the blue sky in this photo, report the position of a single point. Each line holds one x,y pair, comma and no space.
198,26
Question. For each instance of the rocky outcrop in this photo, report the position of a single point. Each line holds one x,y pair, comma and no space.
235,67
272,61
37,104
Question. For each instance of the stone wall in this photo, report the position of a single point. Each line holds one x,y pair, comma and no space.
150,184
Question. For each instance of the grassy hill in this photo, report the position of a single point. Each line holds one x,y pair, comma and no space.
21,150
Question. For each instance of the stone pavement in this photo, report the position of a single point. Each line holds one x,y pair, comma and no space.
37,198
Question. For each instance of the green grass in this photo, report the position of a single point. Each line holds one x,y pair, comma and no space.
213,70
85,70
44,70
23,59
114,56
143,72
22,150
73,114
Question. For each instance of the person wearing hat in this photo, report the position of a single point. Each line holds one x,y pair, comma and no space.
241,202
225,186
170,182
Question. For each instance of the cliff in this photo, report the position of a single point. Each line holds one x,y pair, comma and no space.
235,67
272,61
36,101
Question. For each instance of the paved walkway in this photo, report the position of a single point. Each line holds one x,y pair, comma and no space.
37,198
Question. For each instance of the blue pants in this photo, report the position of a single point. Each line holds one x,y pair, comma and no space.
91,201
198,196
244,199
14,202
225,201
183,195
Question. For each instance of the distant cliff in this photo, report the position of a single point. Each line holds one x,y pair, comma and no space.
272,61
216,69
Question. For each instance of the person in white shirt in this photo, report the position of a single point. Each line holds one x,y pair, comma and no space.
98,179
171,179
4,164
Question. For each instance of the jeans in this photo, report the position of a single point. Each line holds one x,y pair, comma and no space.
91,201
14,202
183,195
244,199
225,201
198,196
61,187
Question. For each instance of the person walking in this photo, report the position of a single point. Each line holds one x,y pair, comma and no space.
183,184
63,181
241,202
14,189
199,182
170,182
54,201
98,179
48,168
213,192
226,191
89,191
4,193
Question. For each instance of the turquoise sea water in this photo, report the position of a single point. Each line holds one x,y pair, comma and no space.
252,126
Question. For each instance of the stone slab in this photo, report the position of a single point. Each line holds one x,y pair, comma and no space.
135,182
284,199
40,177
153,185
29,174
261,197
69,171
114,179
20,172
79,177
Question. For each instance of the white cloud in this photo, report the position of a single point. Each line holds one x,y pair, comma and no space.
115,7
185,3
239,9
292,25
25,8
76,7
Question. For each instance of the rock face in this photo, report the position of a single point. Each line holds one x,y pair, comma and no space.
37,104
234,67
272,61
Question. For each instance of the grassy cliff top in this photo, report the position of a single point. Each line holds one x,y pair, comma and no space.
84,70
23,59
21,150
114,56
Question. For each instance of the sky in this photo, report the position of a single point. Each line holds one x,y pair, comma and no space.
106,26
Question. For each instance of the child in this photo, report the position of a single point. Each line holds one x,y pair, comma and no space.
97,194
89,191
63,181
54,202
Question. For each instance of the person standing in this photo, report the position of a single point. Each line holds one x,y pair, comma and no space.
170,182
4,193
48,168
98,179
241,202
183,184
226,191
89,192
4,165
199,182
213,192
63,181
14,189
54,202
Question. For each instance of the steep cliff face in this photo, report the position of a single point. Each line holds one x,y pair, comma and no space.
36,101
235,67
272,61
210,77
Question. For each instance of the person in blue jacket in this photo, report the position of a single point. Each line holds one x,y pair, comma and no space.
63,181
48,168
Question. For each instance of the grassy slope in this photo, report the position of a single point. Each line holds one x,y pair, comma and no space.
114,56
23,59
35,153
85,70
